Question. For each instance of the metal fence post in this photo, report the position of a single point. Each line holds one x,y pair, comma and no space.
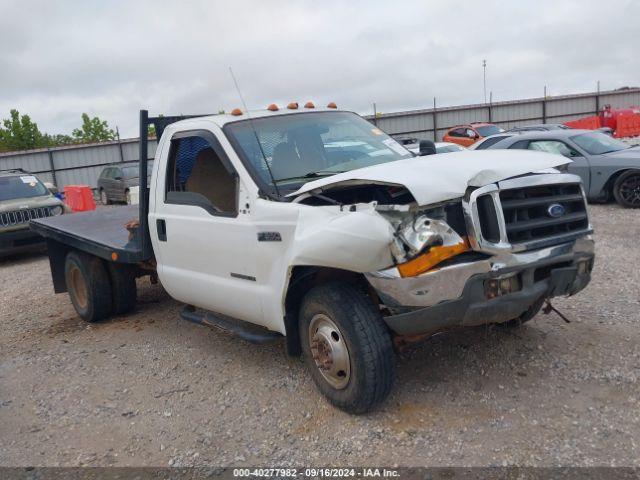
544,106
120,145
52,167
435,122
490,107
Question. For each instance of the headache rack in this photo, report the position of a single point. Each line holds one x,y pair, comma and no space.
525,213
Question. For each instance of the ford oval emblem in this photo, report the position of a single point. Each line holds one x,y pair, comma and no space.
556,210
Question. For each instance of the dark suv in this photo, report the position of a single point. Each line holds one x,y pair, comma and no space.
23,197
114,183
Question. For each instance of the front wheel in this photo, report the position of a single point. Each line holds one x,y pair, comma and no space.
347,347
103,197
626,190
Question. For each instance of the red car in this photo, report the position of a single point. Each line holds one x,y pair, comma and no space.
467,135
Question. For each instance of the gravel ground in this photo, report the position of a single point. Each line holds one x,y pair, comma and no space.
151,389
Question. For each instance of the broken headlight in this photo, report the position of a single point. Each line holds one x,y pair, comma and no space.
423,240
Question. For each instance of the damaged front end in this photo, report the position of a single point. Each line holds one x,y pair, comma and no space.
491,255
501,262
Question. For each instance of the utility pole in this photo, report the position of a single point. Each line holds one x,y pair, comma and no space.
484,79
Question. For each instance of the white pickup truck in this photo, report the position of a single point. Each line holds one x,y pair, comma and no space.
314,225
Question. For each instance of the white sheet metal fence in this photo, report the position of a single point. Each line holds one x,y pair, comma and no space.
432,123
75,164
82,164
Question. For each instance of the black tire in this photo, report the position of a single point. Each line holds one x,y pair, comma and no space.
104,198
88,286
370,354
626,189
526,316
123,288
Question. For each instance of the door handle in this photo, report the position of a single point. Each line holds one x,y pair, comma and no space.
161,227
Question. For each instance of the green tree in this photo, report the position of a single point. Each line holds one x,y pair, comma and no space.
151,129
93,130
20,133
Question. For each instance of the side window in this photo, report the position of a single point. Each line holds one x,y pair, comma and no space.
457,132
200,174
470,133
489,141
521,145
116,173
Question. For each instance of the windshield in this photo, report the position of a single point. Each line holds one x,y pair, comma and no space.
596,143
487,130
448,149
298,147
22,186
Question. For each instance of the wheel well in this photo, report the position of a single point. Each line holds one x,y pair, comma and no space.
608,186
303,279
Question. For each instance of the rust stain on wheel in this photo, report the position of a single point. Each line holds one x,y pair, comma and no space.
79,287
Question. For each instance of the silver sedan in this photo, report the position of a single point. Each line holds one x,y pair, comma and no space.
608,167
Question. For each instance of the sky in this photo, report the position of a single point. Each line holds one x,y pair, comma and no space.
112,58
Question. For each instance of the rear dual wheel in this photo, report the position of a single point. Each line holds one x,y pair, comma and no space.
97,291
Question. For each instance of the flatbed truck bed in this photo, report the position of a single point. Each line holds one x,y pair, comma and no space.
102,233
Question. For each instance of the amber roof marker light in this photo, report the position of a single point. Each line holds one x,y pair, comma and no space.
293,106
236,112
332,105
273,107
309,105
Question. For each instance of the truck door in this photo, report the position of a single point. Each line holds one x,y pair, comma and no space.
204,244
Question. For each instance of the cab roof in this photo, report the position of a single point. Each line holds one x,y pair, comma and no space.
225,118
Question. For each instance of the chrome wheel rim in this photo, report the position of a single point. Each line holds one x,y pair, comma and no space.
79,287
630,190
329,351
103,197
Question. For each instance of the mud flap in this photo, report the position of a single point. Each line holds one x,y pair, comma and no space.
562,280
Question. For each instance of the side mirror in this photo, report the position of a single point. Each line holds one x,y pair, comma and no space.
117,178
427,147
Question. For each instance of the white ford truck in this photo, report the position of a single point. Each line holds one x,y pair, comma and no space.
314,225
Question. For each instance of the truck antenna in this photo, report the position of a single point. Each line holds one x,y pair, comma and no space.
264,157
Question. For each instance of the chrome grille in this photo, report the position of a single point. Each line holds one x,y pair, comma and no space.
18,217
526,213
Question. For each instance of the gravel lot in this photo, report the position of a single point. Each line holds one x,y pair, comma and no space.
151,389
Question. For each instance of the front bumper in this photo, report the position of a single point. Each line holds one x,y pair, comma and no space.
15,241
456,295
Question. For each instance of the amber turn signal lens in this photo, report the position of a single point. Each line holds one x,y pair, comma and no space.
292,106
332,105
309,105
273,107
433,257
236,112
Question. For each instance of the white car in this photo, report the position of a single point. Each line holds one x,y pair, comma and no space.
441,147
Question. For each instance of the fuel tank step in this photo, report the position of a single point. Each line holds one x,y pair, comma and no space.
245,330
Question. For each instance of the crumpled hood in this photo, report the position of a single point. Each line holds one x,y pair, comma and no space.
437,178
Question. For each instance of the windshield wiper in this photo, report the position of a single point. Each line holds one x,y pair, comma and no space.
319,173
